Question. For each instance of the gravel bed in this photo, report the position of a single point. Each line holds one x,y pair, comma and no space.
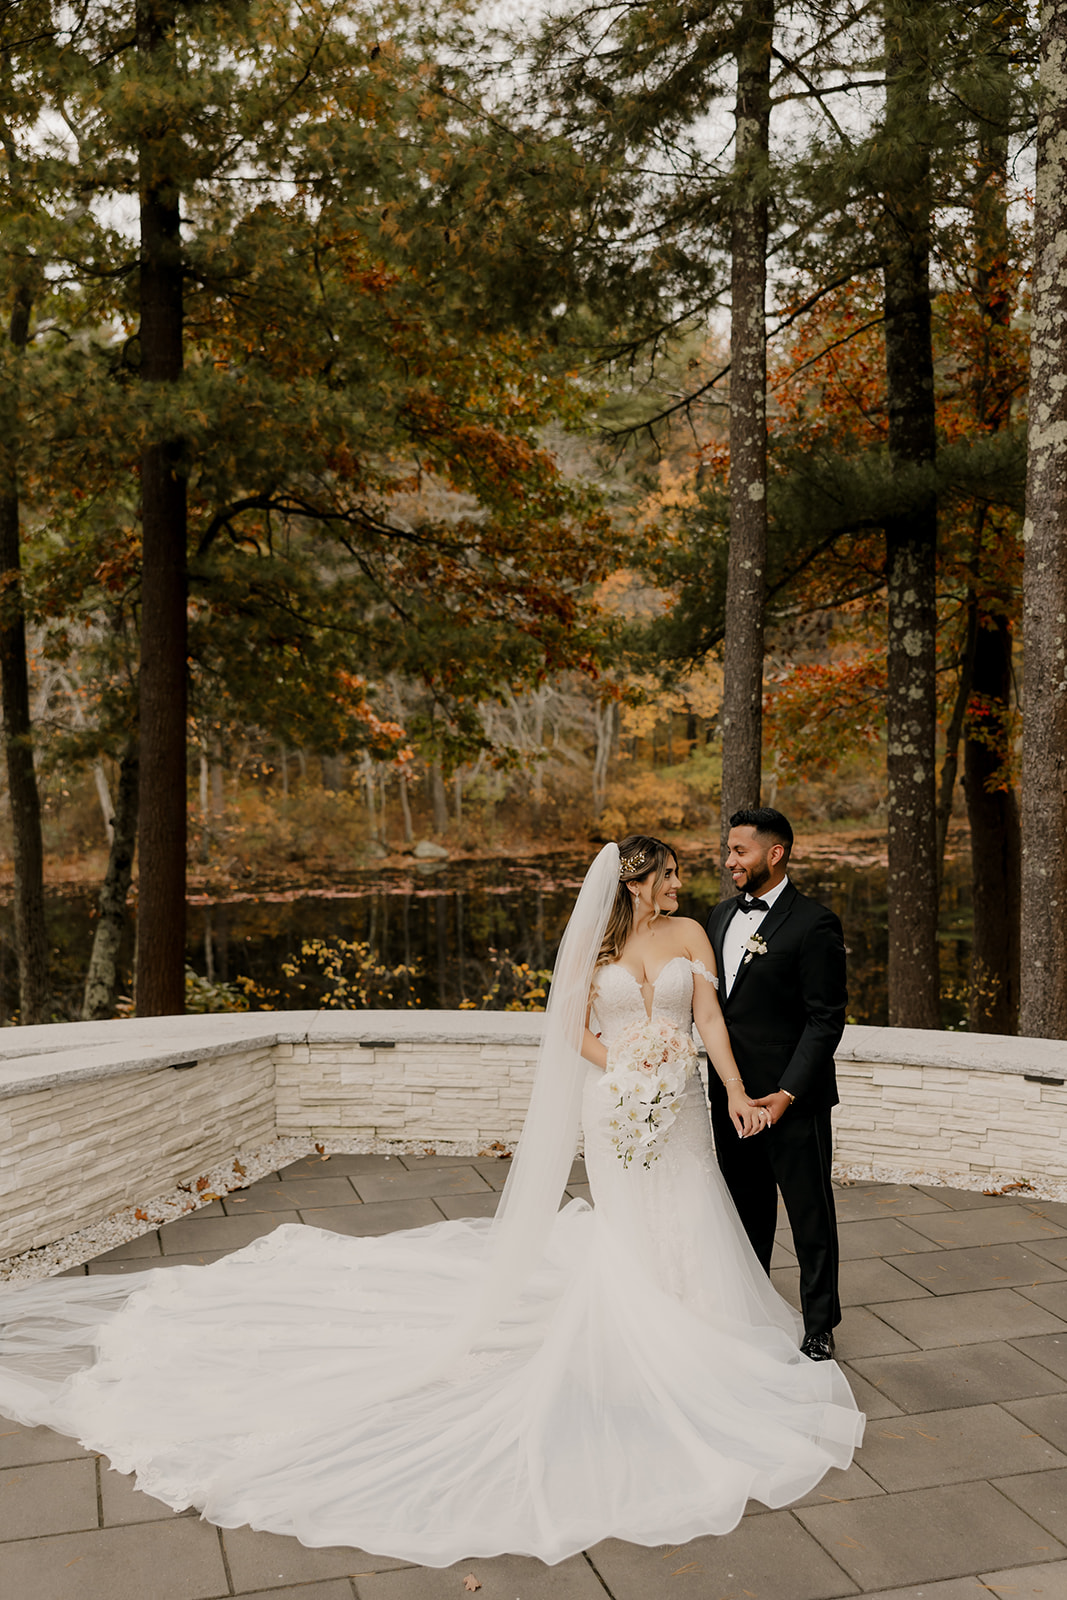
250,1165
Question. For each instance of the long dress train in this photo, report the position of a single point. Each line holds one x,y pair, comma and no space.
643,1382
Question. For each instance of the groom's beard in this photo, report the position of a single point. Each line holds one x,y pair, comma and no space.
757,877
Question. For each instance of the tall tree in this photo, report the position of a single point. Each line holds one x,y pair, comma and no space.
911,536
742,699
992,805
1044,779
160,987
23,30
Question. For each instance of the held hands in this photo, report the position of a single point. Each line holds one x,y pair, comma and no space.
748,1116
775,1105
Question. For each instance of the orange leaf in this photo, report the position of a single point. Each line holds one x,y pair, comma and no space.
470,1583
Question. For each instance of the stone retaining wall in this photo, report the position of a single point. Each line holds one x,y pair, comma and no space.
96,1116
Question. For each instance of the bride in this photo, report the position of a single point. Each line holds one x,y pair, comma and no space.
531,1384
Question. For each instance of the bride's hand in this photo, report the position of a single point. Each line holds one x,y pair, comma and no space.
748,1118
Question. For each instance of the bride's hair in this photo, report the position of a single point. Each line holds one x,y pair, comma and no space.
639,857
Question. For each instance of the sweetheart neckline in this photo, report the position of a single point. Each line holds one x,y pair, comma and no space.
637,982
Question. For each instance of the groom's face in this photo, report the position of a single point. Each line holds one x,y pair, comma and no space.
752,861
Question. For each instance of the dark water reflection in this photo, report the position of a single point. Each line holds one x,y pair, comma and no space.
453,923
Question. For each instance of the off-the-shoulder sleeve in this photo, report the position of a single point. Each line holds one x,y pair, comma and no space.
701,971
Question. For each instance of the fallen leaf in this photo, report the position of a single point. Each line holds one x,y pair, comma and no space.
237,1167
142,1216
208,1196
470,1583
201,1184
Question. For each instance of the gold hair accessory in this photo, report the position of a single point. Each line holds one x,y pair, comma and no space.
628,864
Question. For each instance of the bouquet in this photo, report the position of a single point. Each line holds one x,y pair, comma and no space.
649,1064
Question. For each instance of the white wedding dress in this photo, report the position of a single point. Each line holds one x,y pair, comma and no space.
643,1382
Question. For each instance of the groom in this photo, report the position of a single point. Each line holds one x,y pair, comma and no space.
781,965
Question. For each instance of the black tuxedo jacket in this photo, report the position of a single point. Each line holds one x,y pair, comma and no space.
786,1011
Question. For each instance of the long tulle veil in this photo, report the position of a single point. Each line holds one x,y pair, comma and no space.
49,1330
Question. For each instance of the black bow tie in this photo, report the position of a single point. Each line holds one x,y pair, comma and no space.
753,905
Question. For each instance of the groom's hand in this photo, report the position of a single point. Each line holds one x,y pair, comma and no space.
776,1104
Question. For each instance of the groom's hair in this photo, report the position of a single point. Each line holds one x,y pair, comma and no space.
766,821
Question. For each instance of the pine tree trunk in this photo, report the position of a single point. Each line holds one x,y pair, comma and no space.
742,699
31,940
101,983
163,692
911,550
992,808
1044,782
993,813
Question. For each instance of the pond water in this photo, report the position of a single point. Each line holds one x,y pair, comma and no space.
466,933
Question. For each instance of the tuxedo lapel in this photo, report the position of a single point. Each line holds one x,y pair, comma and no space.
720,925
771,922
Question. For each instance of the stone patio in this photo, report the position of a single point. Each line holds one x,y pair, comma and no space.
954,1338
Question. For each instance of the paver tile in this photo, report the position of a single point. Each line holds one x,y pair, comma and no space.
950,1589
123,1504
996,1225
863,1333
1047,1416
579,1191
377,1217
265,1560
495,1172
1055,1210
1050,1349
278,1196
770,1556
145,1249
870,1399
865,1283
964,1270
1029,1583
852,1483
924,1380
316,1166
890,1540
1053,1296
941,1447
219,1233
400,1184
881,1236
501,1578
319,1192
1054,1250
332,1589
1043,1496
867,1200
788,1285
190,1258
177,1560
962,1199
468,1205
421,1163
55,1497
24,1447
969,1318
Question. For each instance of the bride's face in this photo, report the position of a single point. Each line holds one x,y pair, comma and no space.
666,901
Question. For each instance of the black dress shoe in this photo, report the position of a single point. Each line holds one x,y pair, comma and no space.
818,1346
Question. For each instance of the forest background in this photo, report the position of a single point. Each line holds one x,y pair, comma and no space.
414,427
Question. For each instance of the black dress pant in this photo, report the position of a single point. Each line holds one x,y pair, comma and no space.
793,1157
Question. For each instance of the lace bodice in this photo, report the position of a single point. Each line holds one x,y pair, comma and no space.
618,1001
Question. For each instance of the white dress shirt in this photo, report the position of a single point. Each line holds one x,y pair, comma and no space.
741,927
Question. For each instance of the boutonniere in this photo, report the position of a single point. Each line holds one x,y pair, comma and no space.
755,945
